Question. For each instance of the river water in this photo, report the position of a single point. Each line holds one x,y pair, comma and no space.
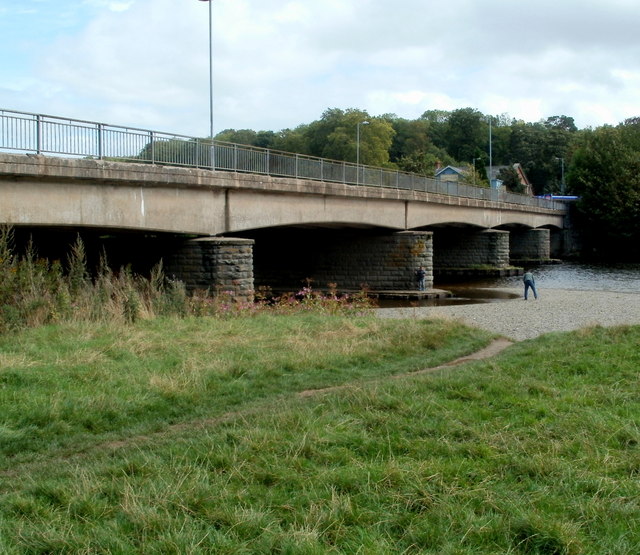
576,276
567,275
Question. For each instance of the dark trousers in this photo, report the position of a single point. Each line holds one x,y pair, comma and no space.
529,284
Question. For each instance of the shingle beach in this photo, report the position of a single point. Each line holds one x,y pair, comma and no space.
555,310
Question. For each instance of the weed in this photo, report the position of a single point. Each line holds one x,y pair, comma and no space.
35,291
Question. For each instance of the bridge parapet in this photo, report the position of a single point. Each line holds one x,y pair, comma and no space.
39,190
40,134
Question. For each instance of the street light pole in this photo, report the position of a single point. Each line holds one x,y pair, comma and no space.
358,149
210,2
490,154
561,174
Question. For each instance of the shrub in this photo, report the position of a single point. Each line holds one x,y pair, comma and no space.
35,291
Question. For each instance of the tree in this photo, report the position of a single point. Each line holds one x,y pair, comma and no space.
319,131
264,139
425,162
238,136
335,136
176,151
465,133
411,138
500,140
605,172
293,140
511,180
564,123
630,129
437,121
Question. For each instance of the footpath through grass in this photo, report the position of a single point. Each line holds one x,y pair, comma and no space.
535,451
70,385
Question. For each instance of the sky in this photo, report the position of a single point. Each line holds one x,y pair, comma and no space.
282,63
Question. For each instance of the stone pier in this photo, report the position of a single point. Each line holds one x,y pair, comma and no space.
220,265
464,249
530,245
379,263
352,260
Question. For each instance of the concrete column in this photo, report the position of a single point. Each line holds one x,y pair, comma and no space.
530,245
463,249
217,264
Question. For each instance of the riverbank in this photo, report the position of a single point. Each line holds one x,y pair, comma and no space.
555,310
201,435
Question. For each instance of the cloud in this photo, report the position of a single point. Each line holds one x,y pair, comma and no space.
280,63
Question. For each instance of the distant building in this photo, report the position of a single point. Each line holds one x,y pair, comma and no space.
451,174
493,171
456,174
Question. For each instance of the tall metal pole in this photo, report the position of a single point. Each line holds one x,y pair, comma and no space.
490,155
210,2
358,150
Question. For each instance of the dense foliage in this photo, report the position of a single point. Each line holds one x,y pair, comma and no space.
605,173
600,165
437,138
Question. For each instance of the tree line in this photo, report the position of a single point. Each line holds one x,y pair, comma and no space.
600,165
461,138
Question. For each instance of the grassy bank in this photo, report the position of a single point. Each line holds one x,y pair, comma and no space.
66,385
187,436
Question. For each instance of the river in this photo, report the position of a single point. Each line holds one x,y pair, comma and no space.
623,278
575,276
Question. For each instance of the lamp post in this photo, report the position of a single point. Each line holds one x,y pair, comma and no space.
490,154
358,149
561,174
213,165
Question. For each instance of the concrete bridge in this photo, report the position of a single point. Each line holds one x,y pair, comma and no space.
236,231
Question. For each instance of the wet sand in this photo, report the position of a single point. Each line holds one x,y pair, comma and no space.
555,310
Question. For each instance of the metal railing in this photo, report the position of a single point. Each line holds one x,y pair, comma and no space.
27,132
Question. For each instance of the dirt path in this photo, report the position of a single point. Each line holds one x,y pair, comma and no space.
63,455
493,349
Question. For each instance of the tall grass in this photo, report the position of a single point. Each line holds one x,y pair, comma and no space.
35,291
68,384
533,452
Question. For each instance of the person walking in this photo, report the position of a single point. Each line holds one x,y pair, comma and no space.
420,276
529,283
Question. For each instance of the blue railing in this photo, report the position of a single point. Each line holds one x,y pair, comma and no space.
43,134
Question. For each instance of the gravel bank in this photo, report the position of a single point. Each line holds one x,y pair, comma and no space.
555,310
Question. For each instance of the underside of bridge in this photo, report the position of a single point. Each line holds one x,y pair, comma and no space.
288,258
123,248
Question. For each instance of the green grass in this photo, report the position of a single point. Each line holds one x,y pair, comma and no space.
66,385
533,452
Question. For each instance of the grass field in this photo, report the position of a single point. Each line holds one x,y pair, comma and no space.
190,436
